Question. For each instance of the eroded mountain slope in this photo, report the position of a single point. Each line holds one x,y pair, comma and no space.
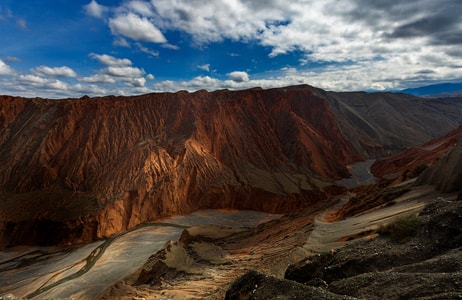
82,169
100,166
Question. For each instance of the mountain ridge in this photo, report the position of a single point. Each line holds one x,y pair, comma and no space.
92,167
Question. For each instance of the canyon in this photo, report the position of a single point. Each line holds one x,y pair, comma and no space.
91,168
78,171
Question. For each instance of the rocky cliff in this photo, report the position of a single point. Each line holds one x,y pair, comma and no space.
412,161
81,169
446,174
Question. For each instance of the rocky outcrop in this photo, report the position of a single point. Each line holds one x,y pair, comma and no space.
426,266
95,167
254,285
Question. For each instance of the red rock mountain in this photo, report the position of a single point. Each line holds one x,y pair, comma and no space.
409,161
82,169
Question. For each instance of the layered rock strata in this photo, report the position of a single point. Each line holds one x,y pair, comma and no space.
82,169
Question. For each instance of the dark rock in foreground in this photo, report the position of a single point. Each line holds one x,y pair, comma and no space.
254,285
427,266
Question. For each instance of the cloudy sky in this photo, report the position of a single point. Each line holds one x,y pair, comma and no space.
62,48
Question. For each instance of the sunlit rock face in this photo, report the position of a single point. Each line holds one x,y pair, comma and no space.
81,169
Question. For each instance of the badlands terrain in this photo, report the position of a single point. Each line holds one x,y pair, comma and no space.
249,194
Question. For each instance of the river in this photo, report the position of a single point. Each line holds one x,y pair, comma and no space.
360,174
85,272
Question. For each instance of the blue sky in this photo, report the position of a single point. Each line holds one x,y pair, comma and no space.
61,48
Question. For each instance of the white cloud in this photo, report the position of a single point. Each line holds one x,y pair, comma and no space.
205,67
209,21
238,76
57,85
5,69
127,72
54,71
354,36
98,78
150,77
109,60
136,27
94,9
32,79
137,82
140,7
117,70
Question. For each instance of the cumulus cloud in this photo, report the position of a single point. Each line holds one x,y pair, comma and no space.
32,79
116,70
140,7
238,76
137,28
341,45
54,71
116,76
326,30
109,60
94,9
5,69
128,72
98,78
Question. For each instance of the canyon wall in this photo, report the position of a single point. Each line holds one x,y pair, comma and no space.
81,169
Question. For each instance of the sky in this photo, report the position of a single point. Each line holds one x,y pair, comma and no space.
62,48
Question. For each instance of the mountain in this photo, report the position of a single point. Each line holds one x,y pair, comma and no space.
76,170
446,174
380,124
448,89
410,162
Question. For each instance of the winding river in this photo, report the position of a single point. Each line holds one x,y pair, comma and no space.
85,272
360,174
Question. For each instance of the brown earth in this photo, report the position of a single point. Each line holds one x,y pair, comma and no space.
422,261
81,169
425,266
206,260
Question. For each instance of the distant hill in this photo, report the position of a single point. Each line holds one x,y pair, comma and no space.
443,89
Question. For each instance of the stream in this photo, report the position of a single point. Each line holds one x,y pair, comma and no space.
360,174
85,272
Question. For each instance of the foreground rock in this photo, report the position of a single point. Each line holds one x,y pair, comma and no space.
428,265
254,285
